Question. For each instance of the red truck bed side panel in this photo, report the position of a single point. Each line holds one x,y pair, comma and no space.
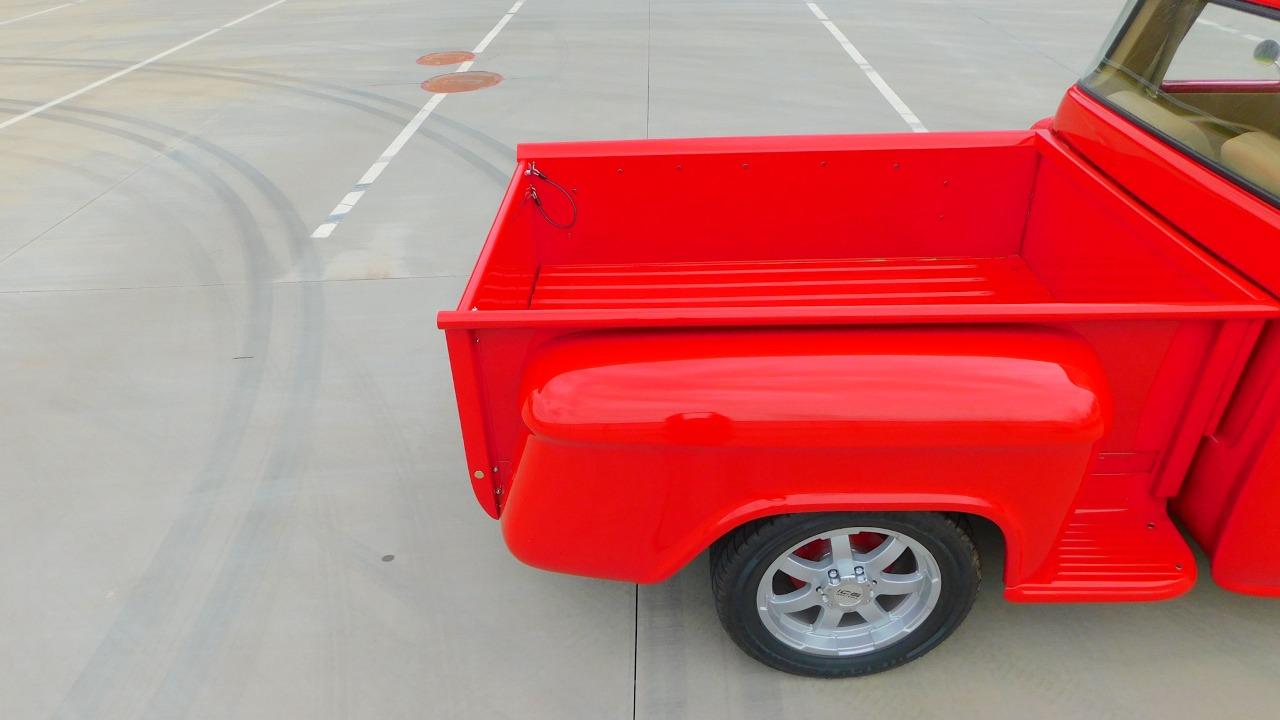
662,442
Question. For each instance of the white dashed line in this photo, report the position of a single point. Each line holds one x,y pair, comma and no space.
38,13
136,66
340,211
874,76
1212,24
1228,29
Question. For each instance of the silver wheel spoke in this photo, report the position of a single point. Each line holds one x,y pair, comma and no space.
828,619
871,612
807,571
897,584
842,554
882,557
803,602
801,599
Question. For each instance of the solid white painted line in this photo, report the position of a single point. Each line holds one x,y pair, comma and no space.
912,120
407,132
259,11
38,13
372,173
340,211
479,48
136,66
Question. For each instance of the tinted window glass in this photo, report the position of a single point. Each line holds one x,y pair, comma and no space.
1202,76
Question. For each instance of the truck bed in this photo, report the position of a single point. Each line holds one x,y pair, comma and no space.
948,227
764,237
837,282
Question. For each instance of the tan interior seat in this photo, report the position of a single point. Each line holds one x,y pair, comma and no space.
1255,156
1165,120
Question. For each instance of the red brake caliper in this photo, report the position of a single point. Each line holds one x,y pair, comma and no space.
815,550
819,549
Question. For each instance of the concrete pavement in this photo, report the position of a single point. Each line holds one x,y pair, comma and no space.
232,483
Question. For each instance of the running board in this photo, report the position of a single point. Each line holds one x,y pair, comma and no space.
1113,555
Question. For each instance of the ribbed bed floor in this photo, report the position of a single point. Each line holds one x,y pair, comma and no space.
788,282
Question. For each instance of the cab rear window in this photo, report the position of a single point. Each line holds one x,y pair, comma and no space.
1204,76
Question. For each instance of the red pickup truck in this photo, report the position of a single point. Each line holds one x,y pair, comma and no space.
820,357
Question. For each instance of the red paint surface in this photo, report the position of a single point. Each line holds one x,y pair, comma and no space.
1021,325
1220,86
1232,494
779,282
699,432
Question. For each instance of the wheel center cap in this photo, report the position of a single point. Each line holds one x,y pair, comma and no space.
848,595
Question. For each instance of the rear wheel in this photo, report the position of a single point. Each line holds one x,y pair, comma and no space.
844,594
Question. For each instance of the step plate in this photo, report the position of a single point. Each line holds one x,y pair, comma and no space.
1113,555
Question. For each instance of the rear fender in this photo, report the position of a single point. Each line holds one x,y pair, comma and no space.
645,447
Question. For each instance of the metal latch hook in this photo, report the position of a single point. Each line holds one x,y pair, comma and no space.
532,194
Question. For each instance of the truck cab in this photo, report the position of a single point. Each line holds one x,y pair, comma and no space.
821,357
1203,79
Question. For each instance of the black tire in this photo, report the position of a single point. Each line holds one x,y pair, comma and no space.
740,559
